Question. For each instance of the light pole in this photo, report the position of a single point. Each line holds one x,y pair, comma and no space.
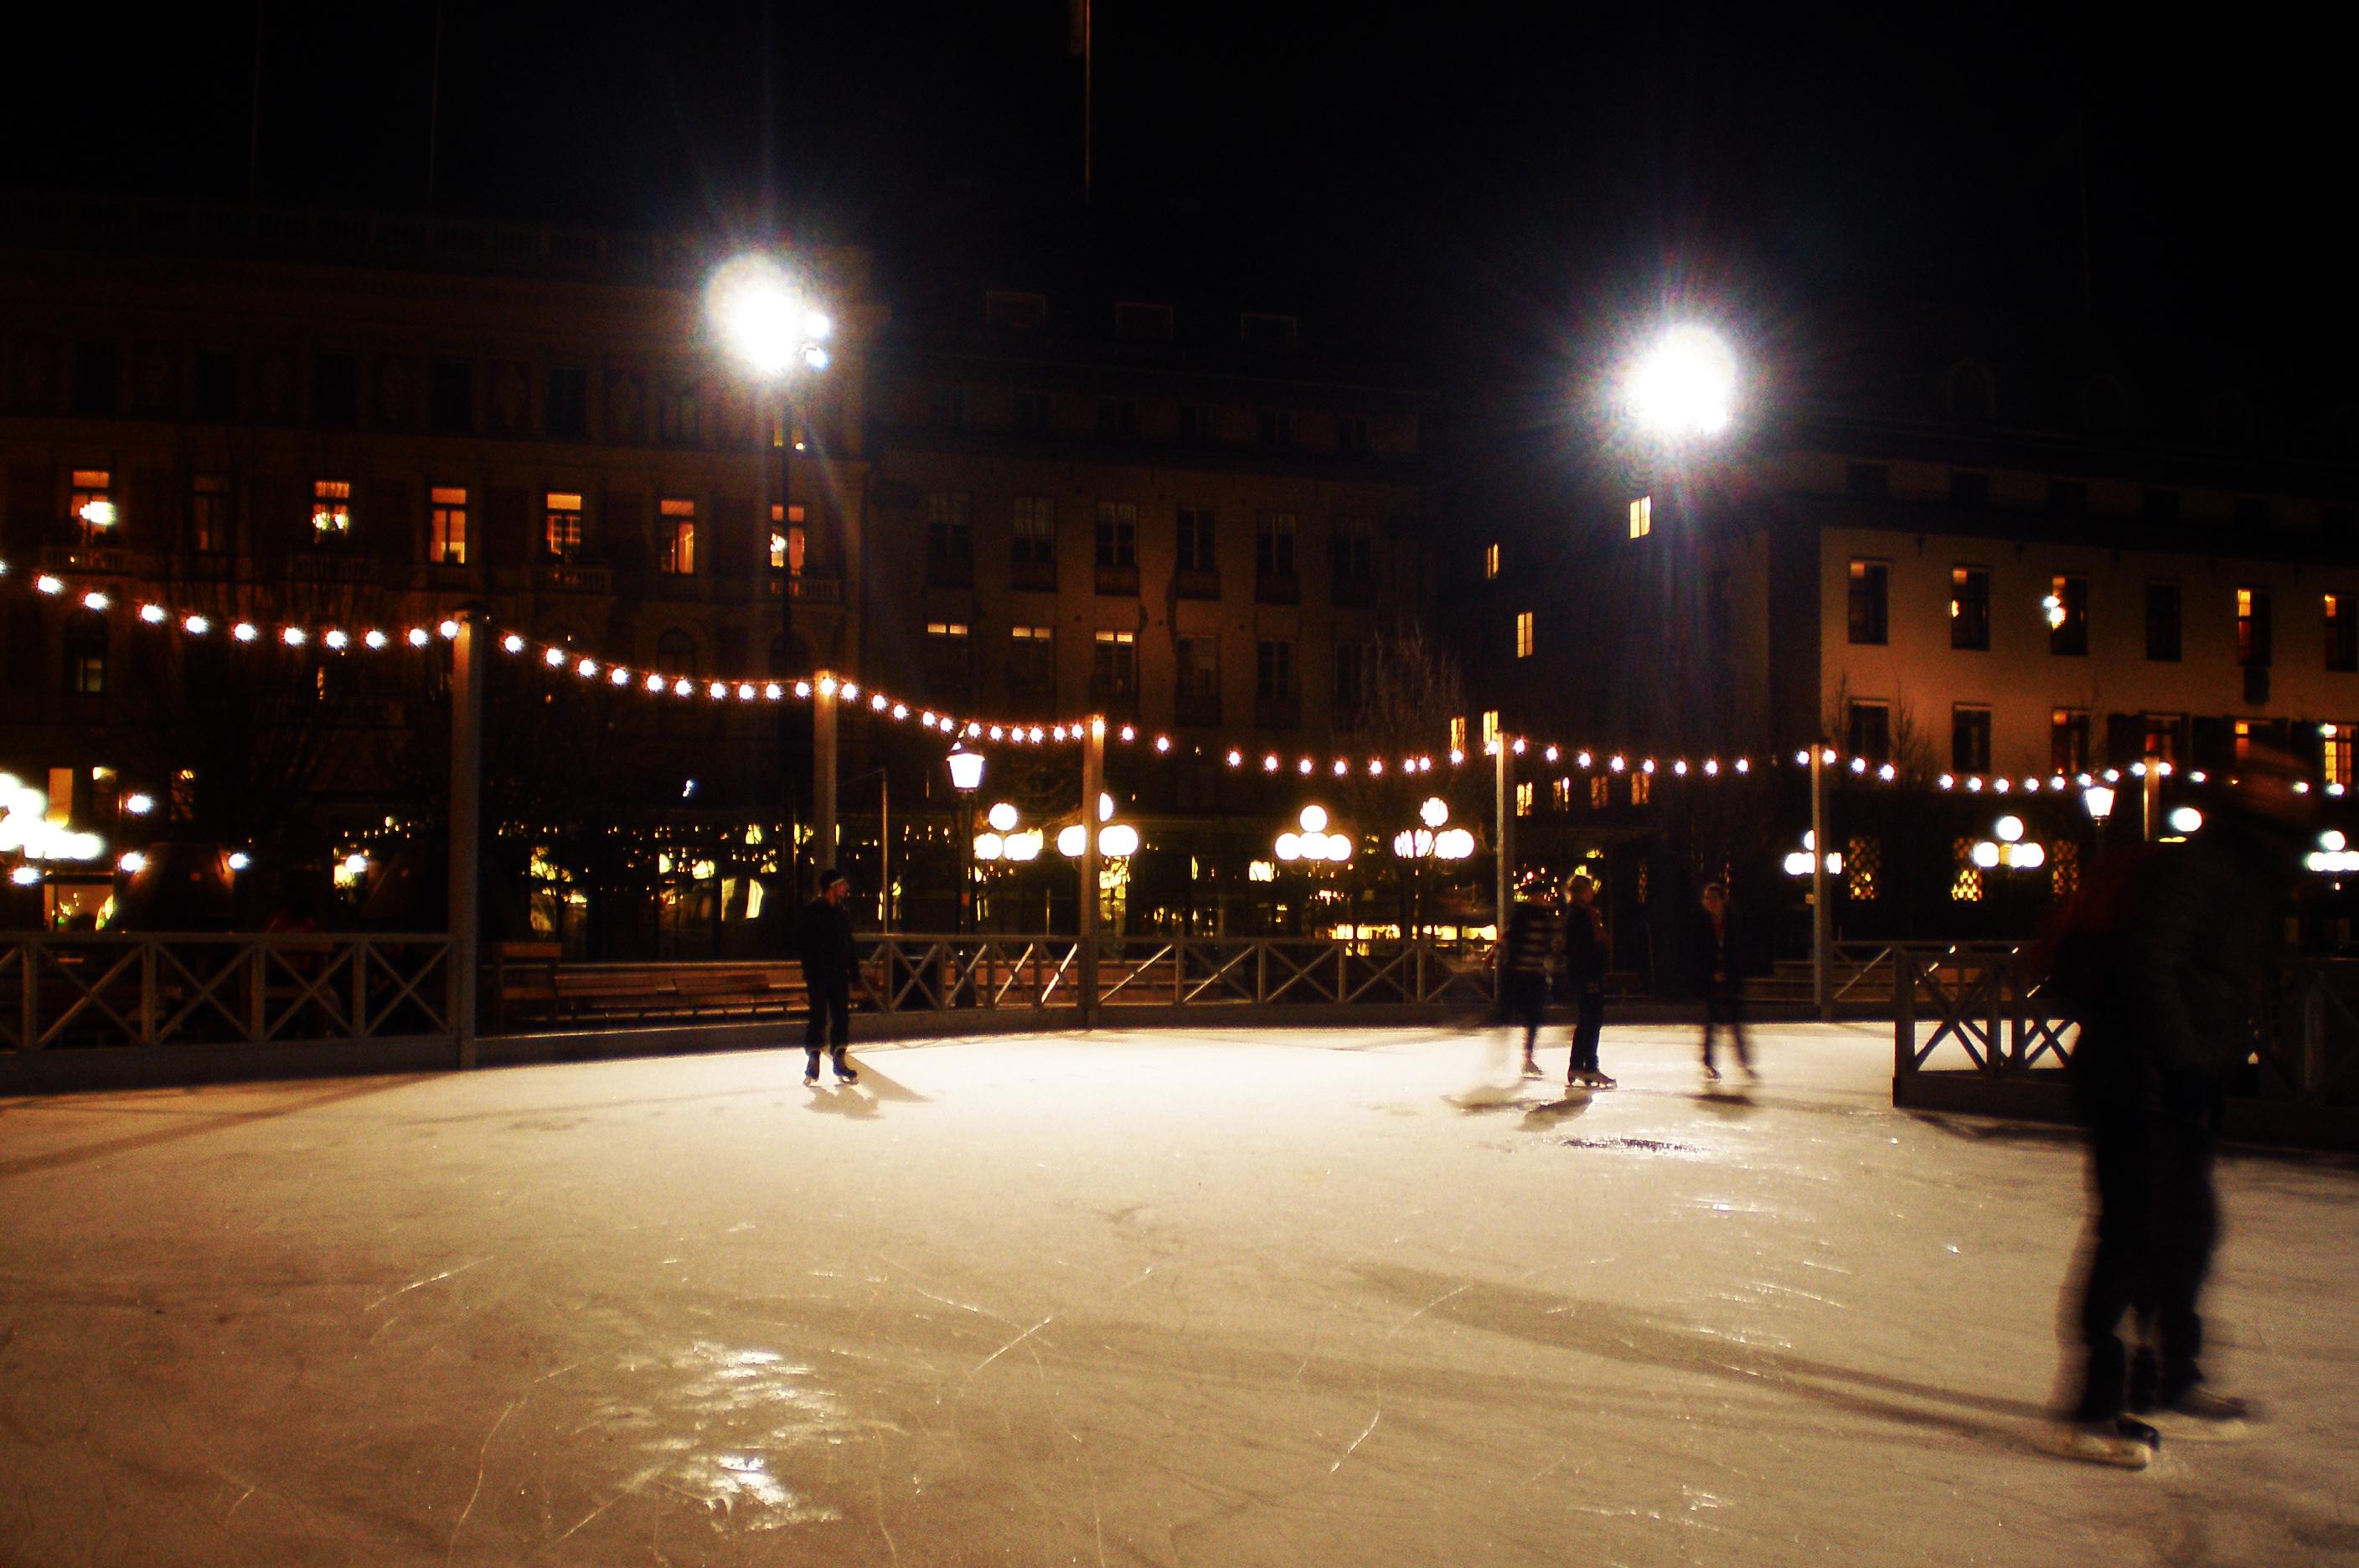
770,324
966,777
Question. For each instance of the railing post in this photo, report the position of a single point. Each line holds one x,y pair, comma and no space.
257,990
359,1019
1179,971
1904,1012
1821,921
1093,784
2311,1049
28,967
467,672
146,991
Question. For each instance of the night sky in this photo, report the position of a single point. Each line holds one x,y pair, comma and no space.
1479,179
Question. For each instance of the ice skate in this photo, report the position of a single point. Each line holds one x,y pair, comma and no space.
1532,1069
811,1078
844,1072
1588,1077
1711,1074
2199,1415
2118,1440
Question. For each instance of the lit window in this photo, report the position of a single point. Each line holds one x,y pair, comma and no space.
2068,614
209,512
2342,633
90,504
1523,633
332,509
1490,560
446,526
1490,727
1562,791
1458,734
2253,627
1600,792
561,525
948,630
2334,754
1642,516
679,528
788,541
1642,788
1114,668
2245,738
1524,800
1870,593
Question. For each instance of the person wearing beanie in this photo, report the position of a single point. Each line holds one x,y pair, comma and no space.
830,966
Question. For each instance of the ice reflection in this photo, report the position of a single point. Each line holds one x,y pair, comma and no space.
728,1427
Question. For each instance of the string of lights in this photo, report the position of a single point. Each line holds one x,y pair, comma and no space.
974,732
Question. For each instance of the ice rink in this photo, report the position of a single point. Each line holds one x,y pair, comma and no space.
1348,1297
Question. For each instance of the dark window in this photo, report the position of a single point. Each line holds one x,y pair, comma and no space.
1274,669
2162,622
1031,661
1970,607
2165,736
2253,627
2342,633
1118,533
1036,531
1117,418
209,512
216,387
2161,505
2067,497
1195,423
1352,662
453,403
2252,511
568,403
1352,549
1274,430
335,397
1273,545
948,534
85,650
2068,742
676,654
1196,540
2068,615
1969,487
680,420
1352,435
1870,591
1114,664
1970,739
1868,731
1032,412
1200,672
95,378
1868,481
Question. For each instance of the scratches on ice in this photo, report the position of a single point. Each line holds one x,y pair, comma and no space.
429,1279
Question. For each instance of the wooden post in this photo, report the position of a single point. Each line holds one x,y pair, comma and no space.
824,690
467,668
1093,784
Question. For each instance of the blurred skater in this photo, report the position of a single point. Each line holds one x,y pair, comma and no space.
2165,961
1584,976
1533,932
830,966
1716,959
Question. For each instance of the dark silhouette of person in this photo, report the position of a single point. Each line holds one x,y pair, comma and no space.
1717,960
1524,954
1584,976
830,966
2165,961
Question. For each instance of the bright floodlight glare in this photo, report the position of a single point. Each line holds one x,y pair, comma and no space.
2099,798
1118,840
1314,818
1434,813
1002,816
2010,829
1072,840
1685,384
967,769
2185,818
763,318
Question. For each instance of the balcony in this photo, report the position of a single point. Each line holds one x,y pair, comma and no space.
435,576
1199,710
1193,582
1278,712
1038,576
331,566
1354,593
100,560
949,572
1031,699
1118,581
574,577
1114,699
1278,589
804,587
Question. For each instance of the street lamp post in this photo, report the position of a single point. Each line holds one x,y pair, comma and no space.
966,777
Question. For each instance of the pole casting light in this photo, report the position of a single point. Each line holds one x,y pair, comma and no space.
765,319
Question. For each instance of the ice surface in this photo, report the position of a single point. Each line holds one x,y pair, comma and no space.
1305,1297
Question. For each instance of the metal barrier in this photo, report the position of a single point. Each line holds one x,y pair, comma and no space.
102,990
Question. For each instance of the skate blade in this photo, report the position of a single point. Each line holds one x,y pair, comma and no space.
2118,1453
2186,1428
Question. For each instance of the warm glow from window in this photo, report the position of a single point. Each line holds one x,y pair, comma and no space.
1524,800
1458,734
1523,633
331,508
1490,560
446,526
1642,516
679,537
1490,727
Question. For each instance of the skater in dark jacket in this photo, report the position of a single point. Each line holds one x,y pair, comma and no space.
1524,953
1584,976
2167,976
830,966
1716,961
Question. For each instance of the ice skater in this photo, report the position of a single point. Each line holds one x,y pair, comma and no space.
2165,962
1716,957
830,966
1533,932
1584,976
